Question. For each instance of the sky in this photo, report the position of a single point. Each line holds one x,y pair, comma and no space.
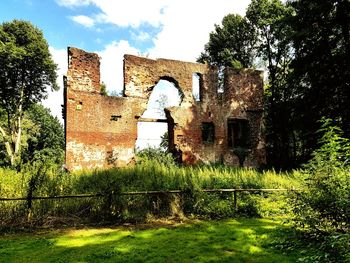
173,29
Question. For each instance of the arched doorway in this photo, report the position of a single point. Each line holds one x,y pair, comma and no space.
153,125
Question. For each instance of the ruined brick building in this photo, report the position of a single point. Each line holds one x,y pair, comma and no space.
224,124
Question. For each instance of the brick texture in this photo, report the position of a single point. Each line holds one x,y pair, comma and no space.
101,131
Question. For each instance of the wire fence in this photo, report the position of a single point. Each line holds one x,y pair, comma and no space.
235,192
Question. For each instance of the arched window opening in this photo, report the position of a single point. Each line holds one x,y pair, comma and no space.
153,127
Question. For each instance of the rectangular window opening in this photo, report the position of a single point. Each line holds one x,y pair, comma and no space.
238,133
196,86
208,132
221,79
115,117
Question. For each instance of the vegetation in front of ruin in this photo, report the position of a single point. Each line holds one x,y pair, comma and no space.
318,210
154,171
323,208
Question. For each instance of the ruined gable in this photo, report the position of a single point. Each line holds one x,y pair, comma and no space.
224,127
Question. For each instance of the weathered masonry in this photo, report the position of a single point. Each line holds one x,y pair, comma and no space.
222,124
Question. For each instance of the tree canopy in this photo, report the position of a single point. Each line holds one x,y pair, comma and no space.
26,72
304,46
231,44
45,139
320,70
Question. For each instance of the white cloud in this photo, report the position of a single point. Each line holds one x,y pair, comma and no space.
83,20
73,3
141,36
55,98
132,12
111,71
124,13
186,26
112,64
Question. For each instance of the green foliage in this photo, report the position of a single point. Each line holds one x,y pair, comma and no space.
324,205
164,144
305,48
334,151
320,68
12,183
231,44
26,71
27,65
270,20
37,178
151,172
261,39
156,155
103,89
42,137
45,140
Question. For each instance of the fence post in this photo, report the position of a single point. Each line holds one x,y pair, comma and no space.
29,205
235,200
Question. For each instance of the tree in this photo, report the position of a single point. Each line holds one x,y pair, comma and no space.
270,18
26,71
305,46
320,77
103,89
164,144
46,137
231,44
261,36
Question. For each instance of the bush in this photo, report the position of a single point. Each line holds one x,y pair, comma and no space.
325,203
323,207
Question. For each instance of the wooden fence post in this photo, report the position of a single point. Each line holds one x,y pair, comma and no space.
29,205
235,200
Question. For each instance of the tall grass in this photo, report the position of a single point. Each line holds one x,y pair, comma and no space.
147,174
152,175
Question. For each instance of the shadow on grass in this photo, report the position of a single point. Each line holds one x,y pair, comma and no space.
242,240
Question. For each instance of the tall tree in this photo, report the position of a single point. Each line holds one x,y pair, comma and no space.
321,69
269,18
260,37
26,71
305,45
230,44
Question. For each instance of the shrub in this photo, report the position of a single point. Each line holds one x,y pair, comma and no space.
325,203
323,207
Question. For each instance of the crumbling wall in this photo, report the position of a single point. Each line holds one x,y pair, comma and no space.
101,131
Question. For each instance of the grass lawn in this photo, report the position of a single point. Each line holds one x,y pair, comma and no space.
234,240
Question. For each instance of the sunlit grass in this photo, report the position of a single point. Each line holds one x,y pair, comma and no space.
240,240
146,175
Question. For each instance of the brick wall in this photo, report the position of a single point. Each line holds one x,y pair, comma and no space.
101,131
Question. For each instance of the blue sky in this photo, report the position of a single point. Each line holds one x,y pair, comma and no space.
174,29
61,30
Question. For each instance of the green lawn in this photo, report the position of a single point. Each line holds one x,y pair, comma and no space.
241,240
